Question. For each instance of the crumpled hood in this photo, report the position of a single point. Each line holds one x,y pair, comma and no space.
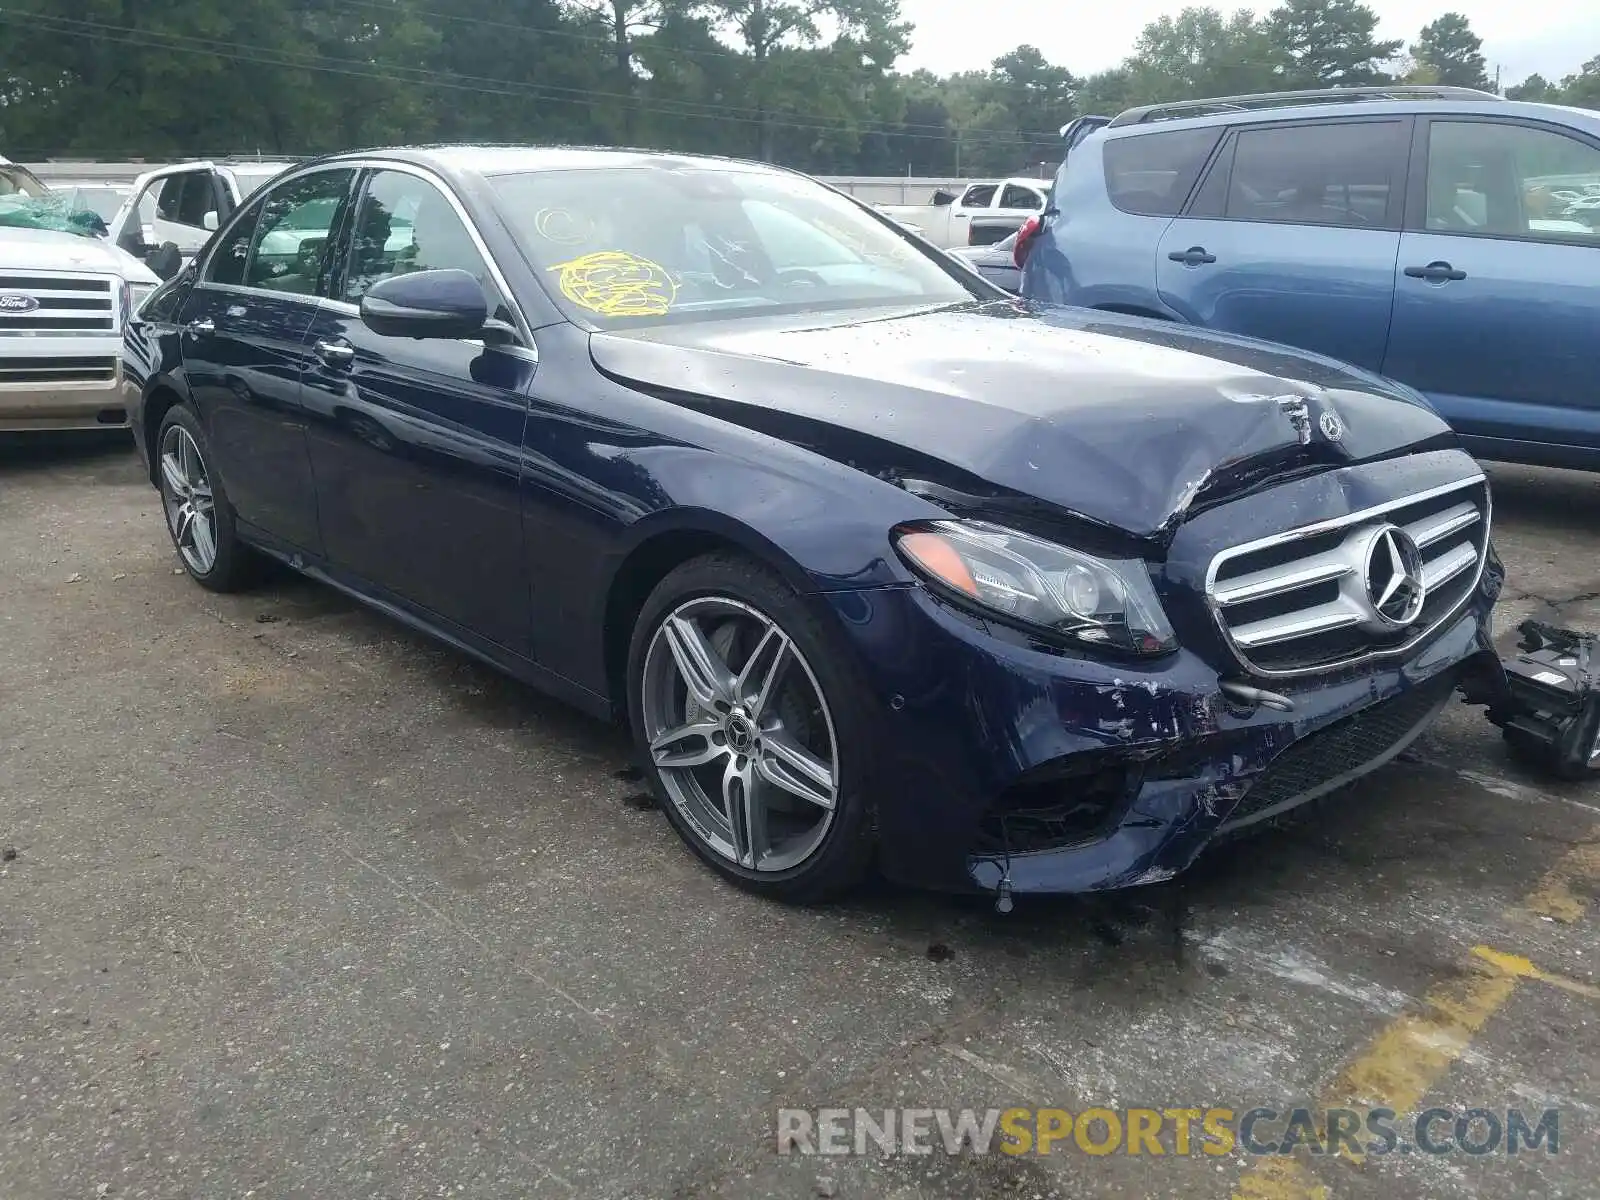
1125,422
54,250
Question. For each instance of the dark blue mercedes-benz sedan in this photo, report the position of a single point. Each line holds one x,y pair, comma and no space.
876,562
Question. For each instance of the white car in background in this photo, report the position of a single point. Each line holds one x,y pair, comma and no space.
103,197
984,213
64,297
183,204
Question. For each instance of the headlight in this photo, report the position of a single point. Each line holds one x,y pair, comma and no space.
138,293
1028,581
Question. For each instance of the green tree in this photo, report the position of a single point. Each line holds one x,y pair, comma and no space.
1583,89
1200,52
1038,98
1329,43
619,22
1453,52
1534,87
1107,93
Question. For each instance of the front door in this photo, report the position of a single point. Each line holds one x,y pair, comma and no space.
1292,237
417,444
244,329
1497,288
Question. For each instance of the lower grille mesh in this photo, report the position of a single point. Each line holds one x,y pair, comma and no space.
1350,747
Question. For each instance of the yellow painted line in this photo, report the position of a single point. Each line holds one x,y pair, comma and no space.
1408,1056
1514,964
1564,893
1279,1179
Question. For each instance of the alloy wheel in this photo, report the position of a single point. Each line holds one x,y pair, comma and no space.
187,496
740,733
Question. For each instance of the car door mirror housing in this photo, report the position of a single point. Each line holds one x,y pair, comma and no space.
426,304
209,221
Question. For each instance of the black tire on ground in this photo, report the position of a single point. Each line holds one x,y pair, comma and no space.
236,566
845,854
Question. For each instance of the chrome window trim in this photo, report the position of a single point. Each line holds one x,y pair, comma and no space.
524,329
1333,525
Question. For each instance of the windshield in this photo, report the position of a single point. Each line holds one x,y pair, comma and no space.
102,200
630,246
19,181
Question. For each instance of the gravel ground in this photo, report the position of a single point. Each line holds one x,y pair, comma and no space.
295,904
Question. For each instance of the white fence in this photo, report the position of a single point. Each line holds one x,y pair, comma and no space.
874,189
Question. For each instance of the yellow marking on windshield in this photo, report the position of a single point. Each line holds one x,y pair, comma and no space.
563,226
615,283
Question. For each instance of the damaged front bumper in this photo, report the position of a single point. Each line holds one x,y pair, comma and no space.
1006,769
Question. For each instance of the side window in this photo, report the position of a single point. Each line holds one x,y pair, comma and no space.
293,226
1016,196
979,195
1512,181
1340,174
1150,174
171,196
405,224
1212,198
185,199
229,259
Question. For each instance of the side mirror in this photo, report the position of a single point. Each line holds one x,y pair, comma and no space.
165,262
209,221
426,304
941,198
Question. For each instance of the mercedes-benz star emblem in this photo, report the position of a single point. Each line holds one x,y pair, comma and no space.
17,302
1332,426
1394,577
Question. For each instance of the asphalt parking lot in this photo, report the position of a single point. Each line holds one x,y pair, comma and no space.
303,906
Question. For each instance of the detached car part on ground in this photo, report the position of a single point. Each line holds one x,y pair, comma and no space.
876,562
65,294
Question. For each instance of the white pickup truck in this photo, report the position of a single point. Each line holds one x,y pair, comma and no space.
184,203
64,298
985,212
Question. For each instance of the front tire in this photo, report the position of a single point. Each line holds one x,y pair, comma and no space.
200,520
753,730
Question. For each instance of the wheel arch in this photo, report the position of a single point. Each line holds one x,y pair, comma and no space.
158,401
658,548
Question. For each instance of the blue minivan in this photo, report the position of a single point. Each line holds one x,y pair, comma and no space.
1443,237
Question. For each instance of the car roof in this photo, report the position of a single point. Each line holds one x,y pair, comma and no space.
1488,106
511,159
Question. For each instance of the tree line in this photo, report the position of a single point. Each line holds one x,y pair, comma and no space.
809,83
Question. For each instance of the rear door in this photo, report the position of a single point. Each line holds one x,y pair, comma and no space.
1497,288
1293,235
244,327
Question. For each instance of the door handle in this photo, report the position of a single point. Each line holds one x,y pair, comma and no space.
1193,256
1435,272
204,327
339,355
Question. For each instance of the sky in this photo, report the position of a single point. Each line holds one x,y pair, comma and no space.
1550,37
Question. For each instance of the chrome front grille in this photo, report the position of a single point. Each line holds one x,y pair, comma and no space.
1309,599
38,302
58,369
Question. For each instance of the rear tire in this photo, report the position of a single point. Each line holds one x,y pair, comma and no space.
759,748
200,519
